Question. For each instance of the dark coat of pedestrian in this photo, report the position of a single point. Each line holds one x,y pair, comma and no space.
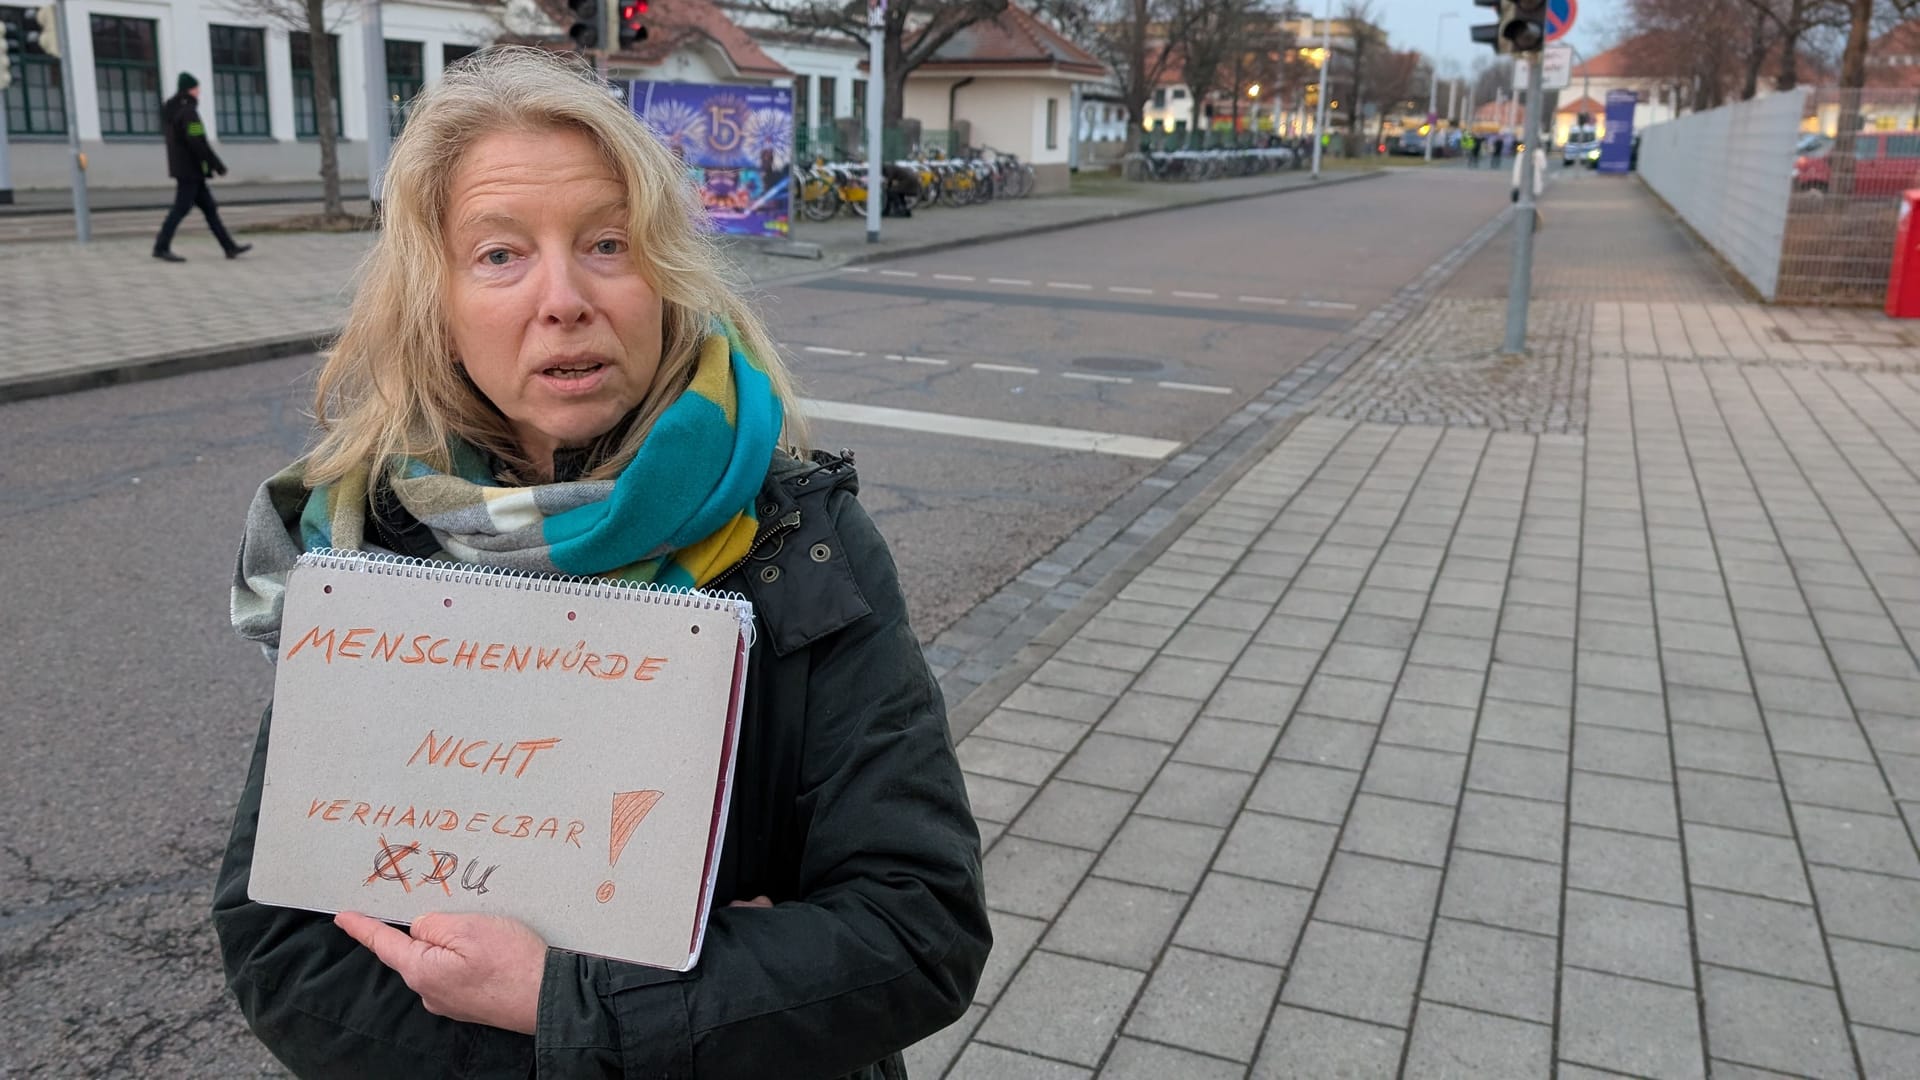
190,162
580,332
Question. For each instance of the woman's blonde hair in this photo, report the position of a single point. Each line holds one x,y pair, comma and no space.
391,385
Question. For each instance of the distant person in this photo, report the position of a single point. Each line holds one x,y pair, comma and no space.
1473,150
190,161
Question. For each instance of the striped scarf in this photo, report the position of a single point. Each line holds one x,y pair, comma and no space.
679,514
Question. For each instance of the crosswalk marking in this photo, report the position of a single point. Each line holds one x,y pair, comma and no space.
973,427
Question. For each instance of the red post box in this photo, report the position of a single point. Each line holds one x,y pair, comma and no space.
1903,284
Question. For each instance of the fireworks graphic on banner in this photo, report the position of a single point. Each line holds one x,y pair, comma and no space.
770,129
678,124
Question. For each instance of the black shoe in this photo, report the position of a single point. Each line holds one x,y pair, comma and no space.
238,250
168,256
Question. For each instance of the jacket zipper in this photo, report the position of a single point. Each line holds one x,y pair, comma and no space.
780,528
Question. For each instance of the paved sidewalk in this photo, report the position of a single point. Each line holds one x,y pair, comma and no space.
61,327
1439,750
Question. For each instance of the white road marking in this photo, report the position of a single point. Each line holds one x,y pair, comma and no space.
1198,388
1008,281
900,273
825,351
917,360
1262,300
1335,304
1059,438
855,270
1087,376
1014,369
953,277
1196,295
1068,285
1130,290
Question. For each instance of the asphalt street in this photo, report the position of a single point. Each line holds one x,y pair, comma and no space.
995,396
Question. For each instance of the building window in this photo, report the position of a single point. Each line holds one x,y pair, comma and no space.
1179,93
36,102
451,54
126,74
1160,98
306,122
827,113
1053,123
239,81
406,71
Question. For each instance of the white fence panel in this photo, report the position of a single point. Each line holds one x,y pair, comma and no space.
1728,173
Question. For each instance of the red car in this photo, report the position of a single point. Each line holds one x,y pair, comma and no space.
1885,163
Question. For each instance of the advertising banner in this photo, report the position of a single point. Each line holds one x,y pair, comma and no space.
737,143
1616,148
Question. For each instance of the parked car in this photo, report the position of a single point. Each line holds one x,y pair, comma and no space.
1885,163
1585,151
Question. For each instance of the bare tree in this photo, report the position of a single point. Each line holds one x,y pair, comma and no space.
913,32
1364,41
317,19
1210,34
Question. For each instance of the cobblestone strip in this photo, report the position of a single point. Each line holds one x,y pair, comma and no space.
1001,638
1038,764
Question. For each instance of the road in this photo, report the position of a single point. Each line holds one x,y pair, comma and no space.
967,383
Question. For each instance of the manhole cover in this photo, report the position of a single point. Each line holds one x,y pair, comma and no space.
1117,364
1824,336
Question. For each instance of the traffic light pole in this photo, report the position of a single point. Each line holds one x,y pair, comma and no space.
82,220
1521,284
876,119
1320,104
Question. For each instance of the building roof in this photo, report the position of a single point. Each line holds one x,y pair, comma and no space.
675,24
1014,39
1582,105
1626,60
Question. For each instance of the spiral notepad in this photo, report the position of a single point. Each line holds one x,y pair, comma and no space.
453,738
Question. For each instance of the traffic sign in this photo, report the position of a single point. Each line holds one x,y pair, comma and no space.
1560,16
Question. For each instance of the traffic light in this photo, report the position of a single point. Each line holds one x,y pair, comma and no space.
633,23
1489,33
47,37
585,30
14,52
1523,25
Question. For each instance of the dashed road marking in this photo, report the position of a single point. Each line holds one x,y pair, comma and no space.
1198,388
931,423
1069,285
900,273
928,360
1014,369
1087,376
953,277
1263,300
1008,281
1123,290
1196,295
1130,290
1333,304
826,351
855,270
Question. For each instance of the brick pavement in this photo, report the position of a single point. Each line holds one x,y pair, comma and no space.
65,304
1434,750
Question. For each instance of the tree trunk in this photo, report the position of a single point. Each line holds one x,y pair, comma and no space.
1789,76
1756,58
1853,62
1853,76
320,55
1138,88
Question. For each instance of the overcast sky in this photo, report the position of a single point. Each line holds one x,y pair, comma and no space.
1412,25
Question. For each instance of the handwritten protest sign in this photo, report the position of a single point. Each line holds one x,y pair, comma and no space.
458,740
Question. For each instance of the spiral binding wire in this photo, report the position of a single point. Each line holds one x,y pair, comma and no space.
412,567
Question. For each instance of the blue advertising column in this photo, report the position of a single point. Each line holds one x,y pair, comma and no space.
1616,150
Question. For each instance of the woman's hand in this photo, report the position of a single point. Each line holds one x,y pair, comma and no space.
482,969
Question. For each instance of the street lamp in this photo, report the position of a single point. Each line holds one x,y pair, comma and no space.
1253,123
1433,77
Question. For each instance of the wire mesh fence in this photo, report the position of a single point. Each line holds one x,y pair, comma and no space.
1857,151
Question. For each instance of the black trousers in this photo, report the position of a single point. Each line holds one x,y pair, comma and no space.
187,194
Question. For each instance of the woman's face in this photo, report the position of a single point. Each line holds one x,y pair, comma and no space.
548,309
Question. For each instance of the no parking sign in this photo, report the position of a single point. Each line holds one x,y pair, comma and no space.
1560,16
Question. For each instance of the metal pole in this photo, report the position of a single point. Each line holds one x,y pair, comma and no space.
1521,283
1320,114
876,100
1433,79
6,171
379,132
82,220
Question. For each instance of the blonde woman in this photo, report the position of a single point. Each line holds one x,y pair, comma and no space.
543,310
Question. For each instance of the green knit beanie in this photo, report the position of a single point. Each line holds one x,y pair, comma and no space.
187,82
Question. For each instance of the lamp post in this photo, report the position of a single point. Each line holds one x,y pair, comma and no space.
1433,77
1326,59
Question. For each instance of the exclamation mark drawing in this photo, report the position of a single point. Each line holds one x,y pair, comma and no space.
629,810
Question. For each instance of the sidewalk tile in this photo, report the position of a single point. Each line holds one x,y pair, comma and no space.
931,1055
1376,894
1032,729
994,799
1275,663
1055,701
1278,849
1116,923
1312,792
1338,698
1541,727
1181,677
1062,1007
1430,727
1868,906
1746,862
1625,864
1886,1053
1499,891
1195,793
1786,1026
1090,678
1149,716
1740,753
1628,937
983,1062
1252,920
1453,1044
1007,761
1317,740
1077,815
1027,877
1640,755
1408,773
1493,970
1013,938
1518,770
1308,1045
1166,854
1635,1027
1206,643
1767,936
1733,801
1204,1002
1504,825
1844,785
1136,1060
1115,761
1398,829
1254,701
1354,973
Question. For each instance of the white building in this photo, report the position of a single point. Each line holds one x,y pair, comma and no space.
255,84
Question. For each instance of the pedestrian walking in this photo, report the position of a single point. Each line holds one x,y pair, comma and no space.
1473,150
190,161
1498,139
546,369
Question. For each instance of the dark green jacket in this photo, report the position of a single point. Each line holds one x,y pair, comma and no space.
848,811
